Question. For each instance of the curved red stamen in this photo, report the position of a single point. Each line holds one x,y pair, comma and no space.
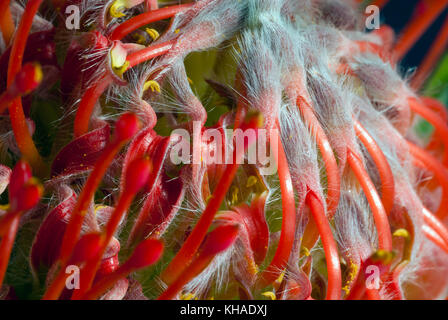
146,18
7,244
87,103
331,166
25,193
145,254
426,161
379,214
136,178
7,26
287,234
17,117
385,172
334,287
191,245
148,53
73,230
217,241
432,235
437,225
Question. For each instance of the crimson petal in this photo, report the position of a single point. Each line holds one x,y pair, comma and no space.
159,208
82,153
47,243
256,225
164,194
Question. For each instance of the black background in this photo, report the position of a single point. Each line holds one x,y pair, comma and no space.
397,14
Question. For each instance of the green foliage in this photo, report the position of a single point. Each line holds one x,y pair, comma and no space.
436,87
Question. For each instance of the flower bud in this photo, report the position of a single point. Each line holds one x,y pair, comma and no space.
87,247
220,239
126,126
19,176
28,196
28,78
137,174
145,254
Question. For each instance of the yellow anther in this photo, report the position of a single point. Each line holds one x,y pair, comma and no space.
346,289
269,294
38,75
407,249
152,33
177,31
187,296
98,207
151,84
383,256
139,38
116,9
208,198
304,251
189,80
235,191
353,271
253,268
118,60
251,181
280,277
120,70
4,207
351,276
402,233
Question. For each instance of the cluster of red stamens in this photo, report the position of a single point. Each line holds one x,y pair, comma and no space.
181,225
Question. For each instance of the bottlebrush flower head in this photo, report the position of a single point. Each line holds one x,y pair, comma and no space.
172,198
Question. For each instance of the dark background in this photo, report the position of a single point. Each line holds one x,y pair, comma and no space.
397,14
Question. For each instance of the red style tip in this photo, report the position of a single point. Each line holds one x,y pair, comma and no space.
126,126
19,176
87,247
220,239
28,196
137,174
145,254
28,78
